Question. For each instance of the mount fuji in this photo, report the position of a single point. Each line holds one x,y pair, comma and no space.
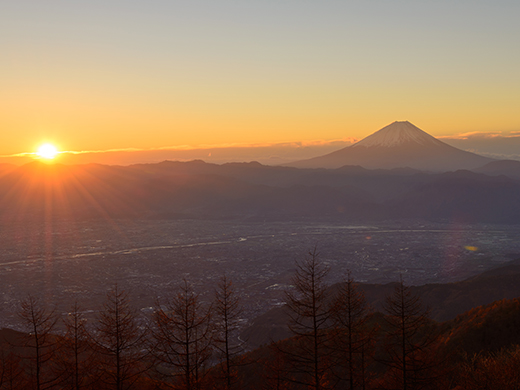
398,145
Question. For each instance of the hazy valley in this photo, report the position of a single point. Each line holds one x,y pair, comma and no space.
70,233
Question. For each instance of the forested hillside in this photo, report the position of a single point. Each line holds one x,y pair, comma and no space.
336,340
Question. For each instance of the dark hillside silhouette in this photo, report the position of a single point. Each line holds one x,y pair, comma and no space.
208,191
510,168
335,343
445,301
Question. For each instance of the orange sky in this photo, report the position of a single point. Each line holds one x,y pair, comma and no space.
116,76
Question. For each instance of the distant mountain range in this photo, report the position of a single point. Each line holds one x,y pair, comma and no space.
250,190
398,145
510,168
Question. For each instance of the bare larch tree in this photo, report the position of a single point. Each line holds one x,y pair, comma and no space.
410,343
39,323
352,339
183,338
76,360
227,312
120,342
309,354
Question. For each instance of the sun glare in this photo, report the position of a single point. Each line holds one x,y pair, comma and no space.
47,151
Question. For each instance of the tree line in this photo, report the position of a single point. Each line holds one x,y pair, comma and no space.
338,342
173,348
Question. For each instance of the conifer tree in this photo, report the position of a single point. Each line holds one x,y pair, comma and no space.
309,356
183,337
227,311
76,359
120,342
39,323
352,340
410,344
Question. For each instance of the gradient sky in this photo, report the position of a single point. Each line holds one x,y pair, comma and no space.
119,74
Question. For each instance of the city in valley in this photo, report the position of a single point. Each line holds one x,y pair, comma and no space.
230,195
67,262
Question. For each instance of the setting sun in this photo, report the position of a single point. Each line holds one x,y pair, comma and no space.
47,151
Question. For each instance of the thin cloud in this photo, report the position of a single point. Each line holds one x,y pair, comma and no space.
481,135
100,151
497,145
296,144
25,154
300,144
30,154
268,153
343,141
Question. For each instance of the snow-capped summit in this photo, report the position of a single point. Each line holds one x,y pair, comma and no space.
398,145
398,133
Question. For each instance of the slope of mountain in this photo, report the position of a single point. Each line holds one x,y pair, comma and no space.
6,168
398,145
91,191
486,328
510,168
446,301
461,195
477,350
